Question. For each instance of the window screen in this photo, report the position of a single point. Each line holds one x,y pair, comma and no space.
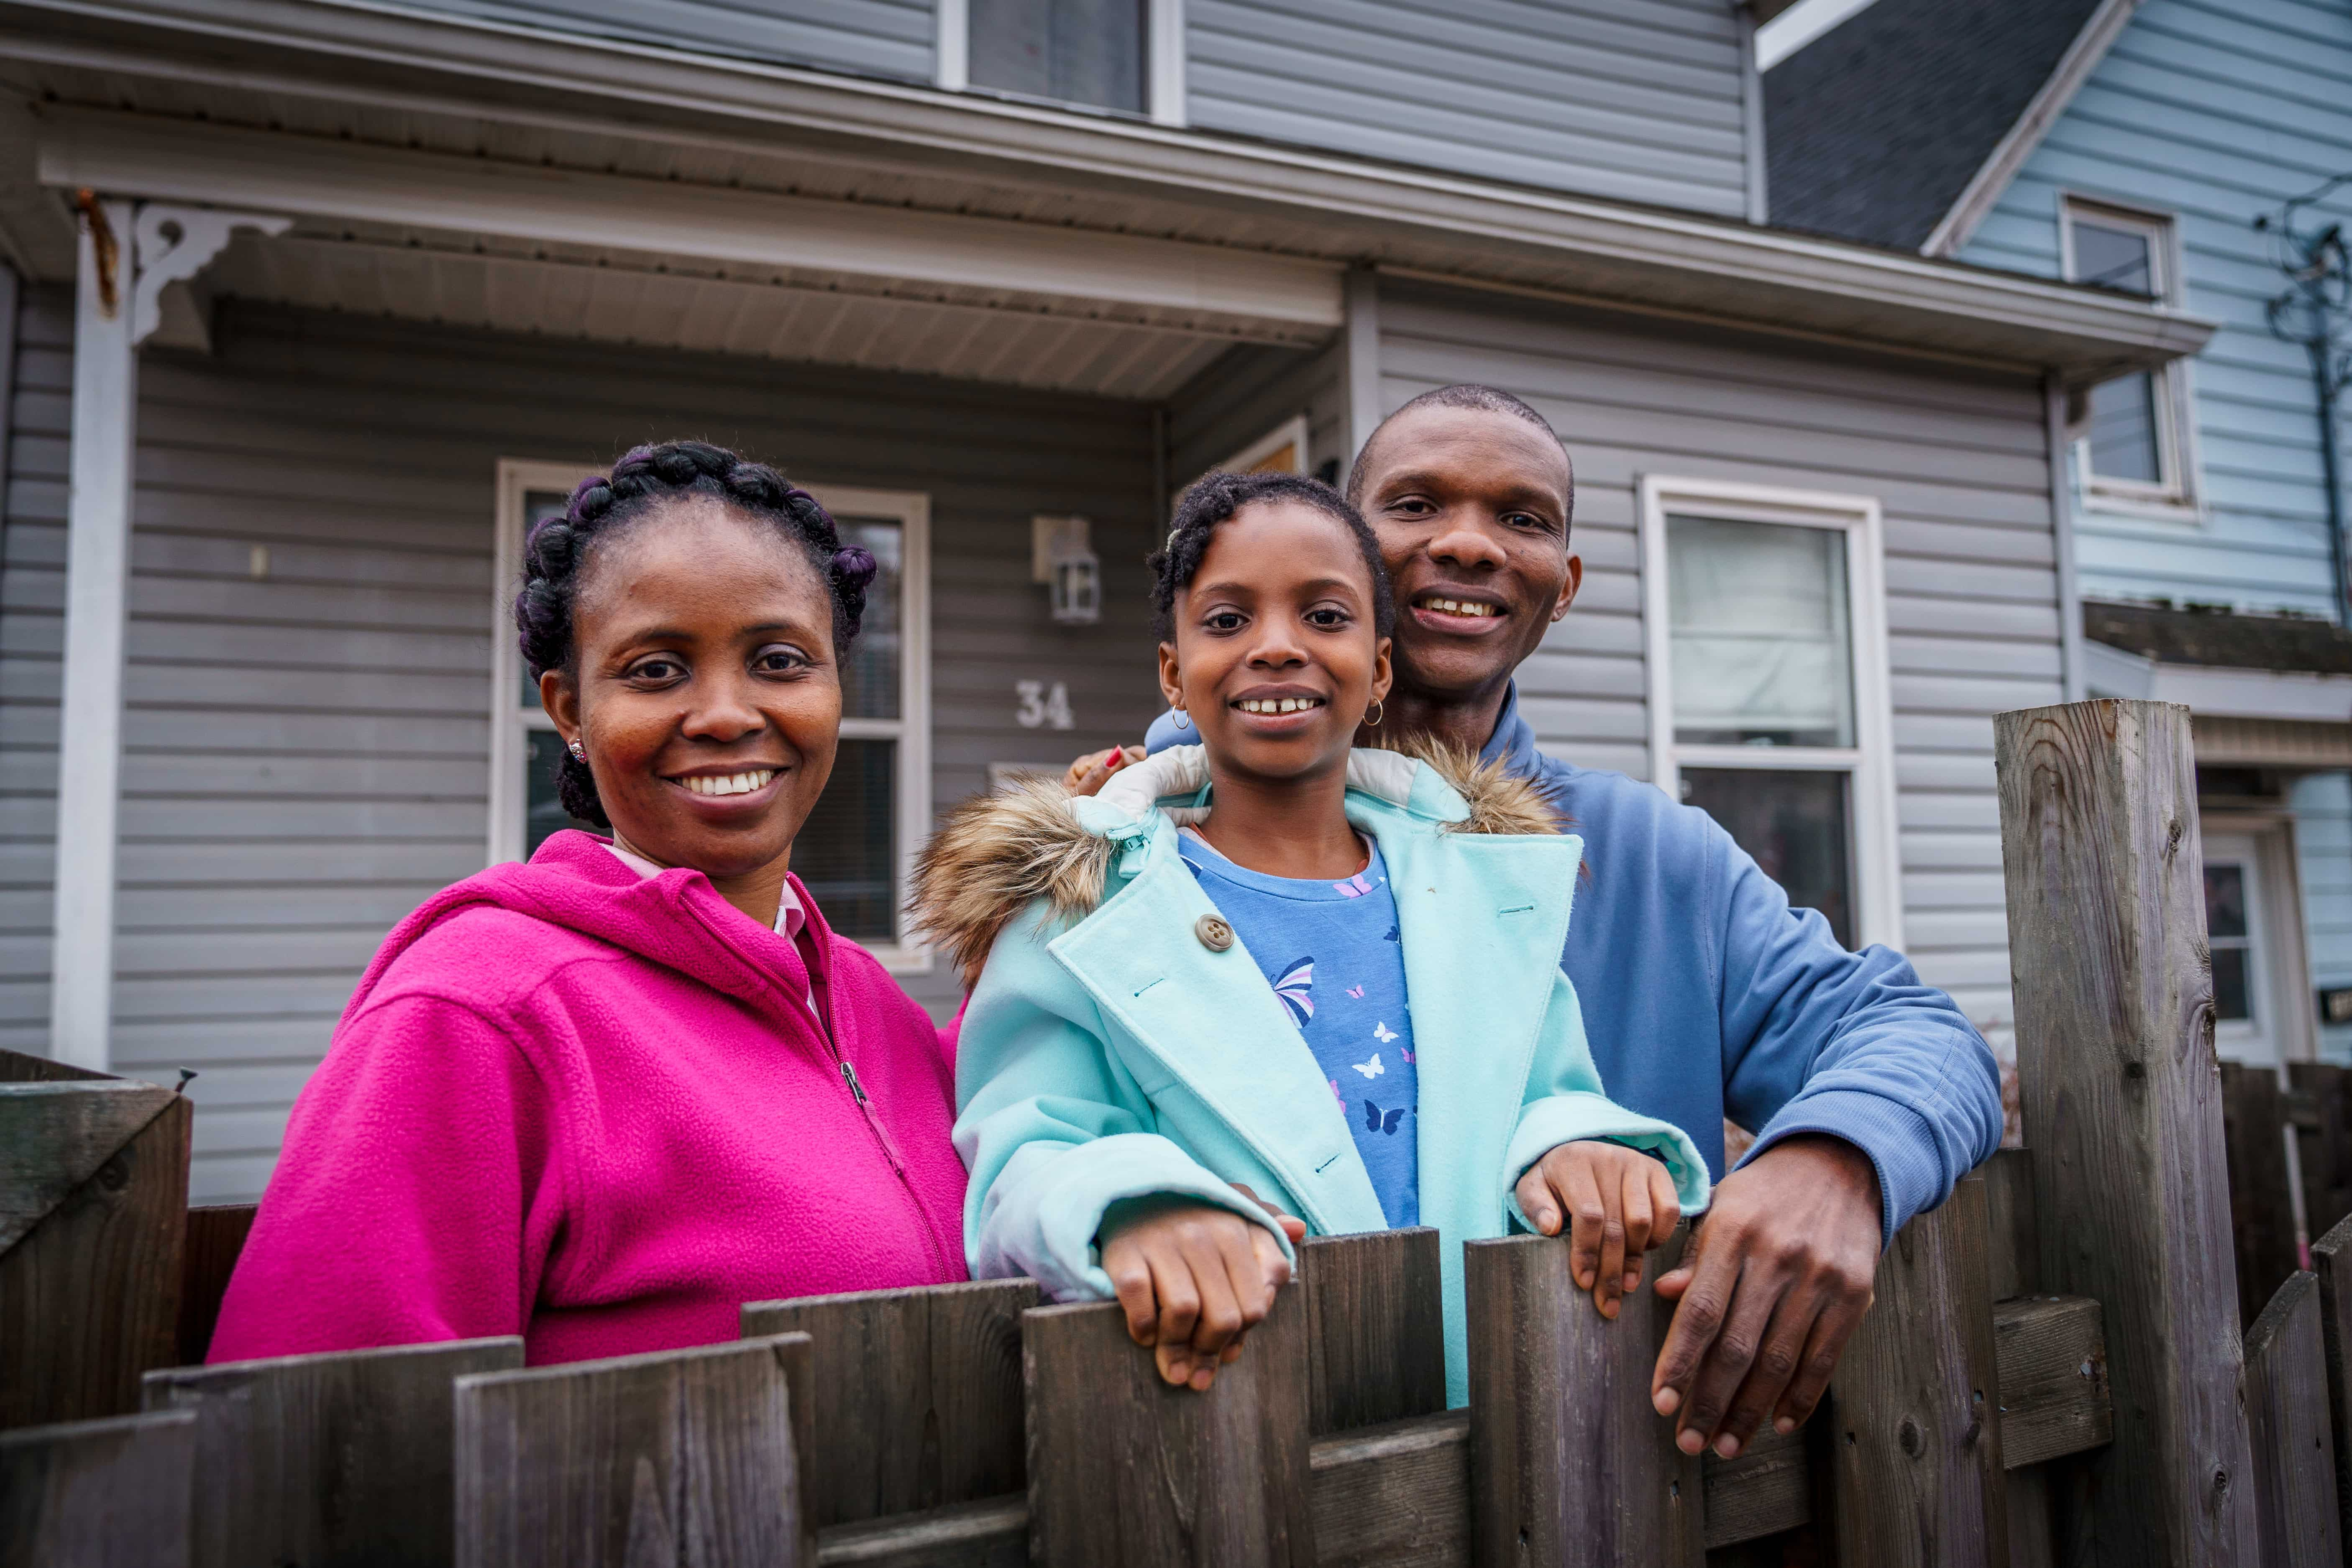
1075,51
2124,442
1761,650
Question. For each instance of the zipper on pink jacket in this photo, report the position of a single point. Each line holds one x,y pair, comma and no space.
889,1150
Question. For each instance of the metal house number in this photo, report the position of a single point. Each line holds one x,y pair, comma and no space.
1044,708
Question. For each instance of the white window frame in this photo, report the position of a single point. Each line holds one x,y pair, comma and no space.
1292,431
1163,55
1875,852
2174,496
510,723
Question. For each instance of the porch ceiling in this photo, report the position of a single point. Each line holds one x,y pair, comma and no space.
673,302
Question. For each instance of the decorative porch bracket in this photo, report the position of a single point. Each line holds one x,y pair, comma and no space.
118,307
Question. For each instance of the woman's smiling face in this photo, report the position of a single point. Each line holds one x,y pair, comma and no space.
1276,657
703,687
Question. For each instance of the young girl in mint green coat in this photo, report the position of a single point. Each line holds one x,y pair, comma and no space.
1277,972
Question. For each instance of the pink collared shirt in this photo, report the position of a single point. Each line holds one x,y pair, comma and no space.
790,917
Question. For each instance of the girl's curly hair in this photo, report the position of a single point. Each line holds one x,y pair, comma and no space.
1215,497
558,549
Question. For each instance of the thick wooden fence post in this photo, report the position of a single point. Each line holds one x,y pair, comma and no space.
914,1396
677,1459
1569,1465
93,1194
97,1494
326,1458
1376,1318
2286,1417
1125,1470
2121,1099
1916,1403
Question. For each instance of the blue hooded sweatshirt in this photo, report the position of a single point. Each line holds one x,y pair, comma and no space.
1706,996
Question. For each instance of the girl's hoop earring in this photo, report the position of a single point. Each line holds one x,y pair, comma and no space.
579,751
1381,711
1183,721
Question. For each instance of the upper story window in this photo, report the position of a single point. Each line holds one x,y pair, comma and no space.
1121,55
2134,428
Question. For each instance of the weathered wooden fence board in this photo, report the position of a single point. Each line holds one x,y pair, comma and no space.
680,1460
2331,1261
991,1533
1376,1324
341,1458
94,1191
2287,1426
1396,1495
1767,1490
97,1494
215,1239
2262,1204
2054,1396
916,1394
2009,1215
2323,1142
1123,1468
1917,1451
2121,1102
1573,1465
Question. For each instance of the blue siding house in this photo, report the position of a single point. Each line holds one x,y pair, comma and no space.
2149,146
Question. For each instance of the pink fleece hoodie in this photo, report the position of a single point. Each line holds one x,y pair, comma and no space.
591,1110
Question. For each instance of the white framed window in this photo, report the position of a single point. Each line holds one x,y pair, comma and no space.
1764,619
856,850
1123,55
2134,447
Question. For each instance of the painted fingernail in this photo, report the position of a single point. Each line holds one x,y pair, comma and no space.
1728,1447
1668,1400
1690,1442
1785,1425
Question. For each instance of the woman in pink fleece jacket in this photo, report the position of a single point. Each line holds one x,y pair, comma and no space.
603,1098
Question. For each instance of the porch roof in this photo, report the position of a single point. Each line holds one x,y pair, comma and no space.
482,111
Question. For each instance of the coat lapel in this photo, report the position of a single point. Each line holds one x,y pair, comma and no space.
1212,1021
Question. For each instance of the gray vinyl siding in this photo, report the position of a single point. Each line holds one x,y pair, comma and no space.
1959,464
1243,398
1635,99
871,37
306,758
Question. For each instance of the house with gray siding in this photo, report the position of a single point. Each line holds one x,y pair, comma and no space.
317,305
2151,147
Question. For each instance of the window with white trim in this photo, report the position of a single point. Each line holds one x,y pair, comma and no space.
2135,442
1121,55
856,851
1764,617
1281,450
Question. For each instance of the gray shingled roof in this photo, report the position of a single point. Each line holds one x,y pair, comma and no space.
1874,128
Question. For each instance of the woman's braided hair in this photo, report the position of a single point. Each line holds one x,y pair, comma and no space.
1215,497
559,548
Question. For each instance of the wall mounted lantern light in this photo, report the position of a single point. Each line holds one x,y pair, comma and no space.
1061,557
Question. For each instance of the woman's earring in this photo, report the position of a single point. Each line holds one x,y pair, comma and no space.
1183,721
579,751
1379,711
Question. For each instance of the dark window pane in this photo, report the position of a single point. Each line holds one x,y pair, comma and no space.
869,683
544,814
1075,51
2225,902
2123,430
2112,258
847,853
1794,822
2229,999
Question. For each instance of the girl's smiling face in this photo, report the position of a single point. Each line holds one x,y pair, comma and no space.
1276,657
704,687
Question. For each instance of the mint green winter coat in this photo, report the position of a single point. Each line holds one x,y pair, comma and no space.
1108,1053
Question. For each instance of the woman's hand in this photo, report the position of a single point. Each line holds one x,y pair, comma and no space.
1091,771
1619,1204
1193,1278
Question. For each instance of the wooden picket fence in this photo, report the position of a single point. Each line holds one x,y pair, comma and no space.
2053,1370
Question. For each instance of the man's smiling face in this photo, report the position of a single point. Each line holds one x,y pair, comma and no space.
1472,508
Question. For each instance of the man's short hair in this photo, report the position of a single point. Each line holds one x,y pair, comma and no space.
1463,395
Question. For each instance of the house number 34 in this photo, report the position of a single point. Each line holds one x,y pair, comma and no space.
1042,707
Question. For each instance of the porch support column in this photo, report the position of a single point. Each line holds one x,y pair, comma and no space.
1361,354
126,259
90,720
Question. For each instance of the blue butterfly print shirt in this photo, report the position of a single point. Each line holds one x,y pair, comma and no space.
1330,952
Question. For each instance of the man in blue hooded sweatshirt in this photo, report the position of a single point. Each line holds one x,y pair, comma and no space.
1706,995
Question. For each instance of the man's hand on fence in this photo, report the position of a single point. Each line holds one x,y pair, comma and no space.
1193,1278
1093,771
1619,1204
1769,1288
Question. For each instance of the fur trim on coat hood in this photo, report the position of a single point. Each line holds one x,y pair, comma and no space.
997,853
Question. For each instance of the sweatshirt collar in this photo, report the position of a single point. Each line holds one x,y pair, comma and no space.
791,915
